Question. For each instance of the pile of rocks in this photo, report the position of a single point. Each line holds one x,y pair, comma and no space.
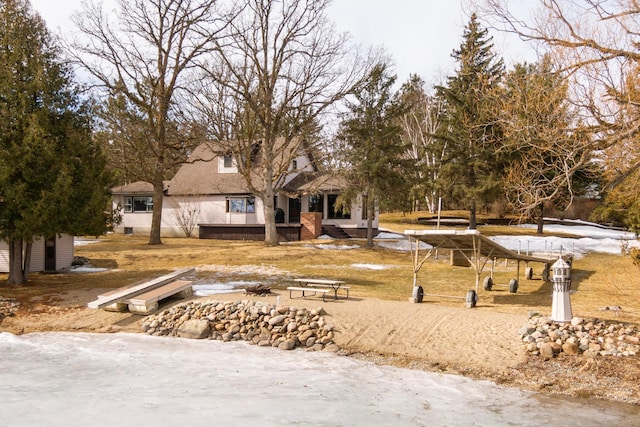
544,337
8,307
253,321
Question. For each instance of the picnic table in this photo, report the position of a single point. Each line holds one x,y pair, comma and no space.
335,285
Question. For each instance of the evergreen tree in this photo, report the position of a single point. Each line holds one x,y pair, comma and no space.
372,147
470,127
52,176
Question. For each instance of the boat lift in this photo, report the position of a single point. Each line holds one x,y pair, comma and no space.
476,249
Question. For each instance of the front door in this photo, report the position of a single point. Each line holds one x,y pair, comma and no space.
50,254
295,206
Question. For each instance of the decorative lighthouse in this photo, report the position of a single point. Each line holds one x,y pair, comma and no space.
561,306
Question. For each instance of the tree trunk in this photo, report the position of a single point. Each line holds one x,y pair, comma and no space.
370,214
156,218
27,260
270,230
472,216
16,272
541,219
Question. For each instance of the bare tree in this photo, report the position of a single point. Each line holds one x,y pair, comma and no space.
549,151
145,54
187,214
419,127
281,66
595,41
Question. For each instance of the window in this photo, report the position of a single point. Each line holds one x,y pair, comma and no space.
241,204
228,160
316,203
294,164
333,211
138,204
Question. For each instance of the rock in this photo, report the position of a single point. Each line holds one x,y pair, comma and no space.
577,321
546,351
276,320
287,345
195,329
571,348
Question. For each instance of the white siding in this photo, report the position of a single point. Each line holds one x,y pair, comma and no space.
64,251
4,257
37,255
64,254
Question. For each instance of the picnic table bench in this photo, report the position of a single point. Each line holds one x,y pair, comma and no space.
306,289
326,284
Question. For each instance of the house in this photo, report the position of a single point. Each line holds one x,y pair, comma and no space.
52,254
208,197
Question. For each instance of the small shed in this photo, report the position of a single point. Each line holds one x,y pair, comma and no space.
51,254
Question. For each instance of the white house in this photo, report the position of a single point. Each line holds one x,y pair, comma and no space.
51,254
209,196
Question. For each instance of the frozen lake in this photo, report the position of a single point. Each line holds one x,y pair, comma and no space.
77,379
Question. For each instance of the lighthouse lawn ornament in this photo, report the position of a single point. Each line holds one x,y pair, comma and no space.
561,306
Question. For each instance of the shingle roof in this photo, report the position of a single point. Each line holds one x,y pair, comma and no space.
199,176
138,187
315,182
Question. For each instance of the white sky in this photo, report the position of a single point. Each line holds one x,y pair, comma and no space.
419,34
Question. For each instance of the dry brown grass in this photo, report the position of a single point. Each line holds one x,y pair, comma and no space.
599,280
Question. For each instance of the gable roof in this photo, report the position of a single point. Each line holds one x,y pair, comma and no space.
200,176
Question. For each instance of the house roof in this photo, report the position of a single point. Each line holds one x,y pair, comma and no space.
315,182
200,176
138,187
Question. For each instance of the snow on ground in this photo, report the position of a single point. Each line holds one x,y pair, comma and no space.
591,238
334,247
207,287
369,266
80,241
87,269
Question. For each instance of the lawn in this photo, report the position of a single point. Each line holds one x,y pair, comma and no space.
599,280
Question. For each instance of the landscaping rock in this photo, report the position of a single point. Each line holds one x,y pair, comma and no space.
590,338
195,329
258,323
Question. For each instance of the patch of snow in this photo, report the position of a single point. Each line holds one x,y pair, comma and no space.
584,230
335,247
79,241
369,266
205,288
389,235
87,269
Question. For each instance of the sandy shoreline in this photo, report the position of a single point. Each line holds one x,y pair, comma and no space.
478,343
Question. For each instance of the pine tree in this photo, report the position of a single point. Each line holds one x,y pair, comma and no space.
372,147
52,176
470,127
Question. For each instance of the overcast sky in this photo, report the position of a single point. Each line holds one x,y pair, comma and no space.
419,34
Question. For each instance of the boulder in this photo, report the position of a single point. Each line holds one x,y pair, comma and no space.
195,329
